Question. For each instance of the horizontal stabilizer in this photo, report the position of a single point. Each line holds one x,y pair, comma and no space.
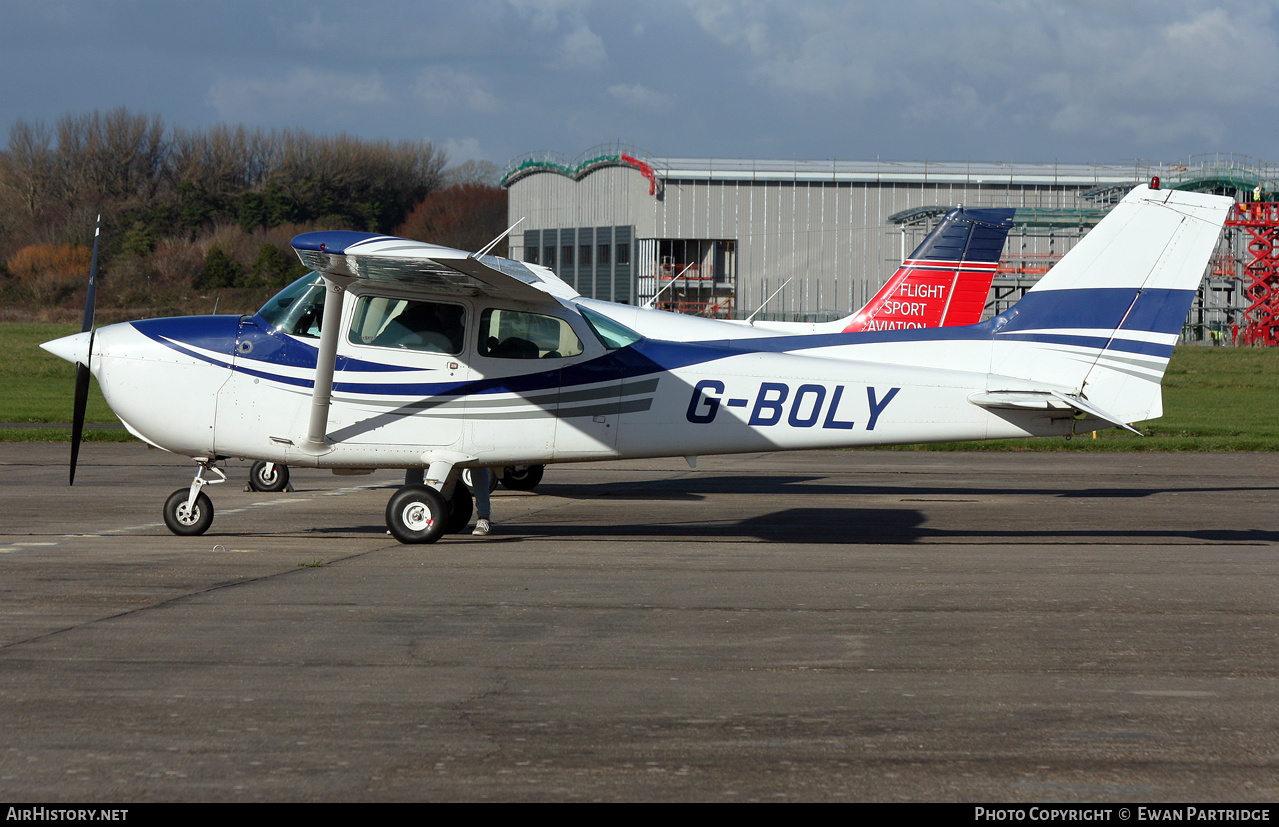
1045,401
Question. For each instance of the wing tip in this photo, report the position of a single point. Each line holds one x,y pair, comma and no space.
332,241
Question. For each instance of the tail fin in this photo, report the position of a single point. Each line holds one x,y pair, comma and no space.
1101,325
946,280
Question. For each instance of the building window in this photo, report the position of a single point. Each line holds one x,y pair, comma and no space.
623,254
602,258
584,255
567,255
550,257
531,253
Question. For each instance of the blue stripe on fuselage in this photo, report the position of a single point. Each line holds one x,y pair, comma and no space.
1031,319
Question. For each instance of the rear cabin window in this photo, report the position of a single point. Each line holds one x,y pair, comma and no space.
406,324
514,334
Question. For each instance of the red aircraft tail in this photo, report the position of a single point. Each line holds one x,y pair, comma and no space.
946,280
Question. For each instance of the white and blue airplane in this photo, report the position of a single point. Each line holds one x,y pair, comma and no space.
409,355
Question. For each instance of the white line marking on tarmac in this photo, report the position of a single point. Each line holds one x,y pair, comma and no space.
9,548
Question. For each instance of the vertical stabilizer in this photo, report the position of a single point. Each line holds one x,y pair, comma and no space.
946,280
1104,321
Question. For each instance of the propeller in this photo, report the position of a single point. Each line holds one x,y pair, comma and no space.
81,369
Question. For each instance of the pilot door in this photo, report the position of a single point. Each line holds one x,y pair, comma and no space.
401,375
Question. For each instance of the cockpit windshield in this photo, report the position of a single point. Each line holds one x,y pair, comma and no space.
297,309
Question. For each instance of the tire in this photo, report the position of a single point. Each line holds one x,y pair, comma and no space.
186,523
276,479
460,509
522,477
417,514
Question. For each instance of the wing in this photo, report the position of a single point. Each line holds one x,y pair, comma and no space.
348,256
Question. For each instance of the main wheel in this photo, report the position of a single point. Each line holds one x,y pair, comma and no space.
188,522
417,514
460,509
522,477
268,476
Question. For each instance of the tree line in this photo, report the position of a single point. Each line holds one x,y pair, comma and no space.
190,211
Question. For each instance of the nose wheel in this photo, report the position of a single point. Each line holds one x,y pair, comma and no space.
188,519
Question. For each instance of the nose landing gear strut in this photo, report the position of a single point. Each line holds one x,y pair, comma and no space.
189,511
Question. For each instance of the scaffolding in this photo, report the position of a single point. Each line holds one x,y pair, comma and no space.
1259,322
1238,300
692,276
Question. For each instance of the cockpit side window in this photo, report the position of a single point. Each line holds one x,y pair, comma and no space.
612,334
516,334
429,327
297,309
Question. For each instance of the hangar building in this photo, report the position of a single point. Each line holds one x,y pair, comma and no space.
719,237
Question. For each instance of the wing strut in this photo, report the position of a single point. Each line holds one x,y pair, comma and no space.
316,441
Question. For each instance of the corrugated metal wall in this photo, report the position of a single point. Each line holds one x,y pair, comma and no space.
832,237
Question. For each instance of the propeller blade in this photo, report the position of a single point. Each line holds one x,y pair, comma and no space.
91,297
82,370
77,416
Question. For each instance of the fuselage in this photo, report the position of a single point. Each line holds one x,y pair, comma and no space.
242,386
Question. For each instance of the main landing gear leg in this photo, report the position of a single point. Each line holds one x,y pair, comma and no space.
189,511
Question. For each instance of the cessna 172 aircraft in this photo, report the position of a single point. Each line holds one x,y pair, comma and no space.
414,355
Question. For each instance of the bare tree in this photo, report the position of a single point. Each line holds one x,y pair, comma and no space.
28,171
484,173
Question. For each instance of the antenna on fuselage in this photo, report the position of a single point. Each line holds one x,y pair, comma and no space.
769,299
485,250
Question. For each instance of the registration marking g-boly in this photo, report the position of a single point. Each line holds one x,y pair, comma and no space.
774,404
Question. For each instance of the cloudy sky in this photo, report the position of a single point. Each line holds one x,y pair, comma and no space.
982,80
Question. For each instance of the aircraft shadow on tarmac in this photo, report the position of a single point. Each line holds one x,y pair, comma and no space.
861,526
697,487
848,526
852,525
